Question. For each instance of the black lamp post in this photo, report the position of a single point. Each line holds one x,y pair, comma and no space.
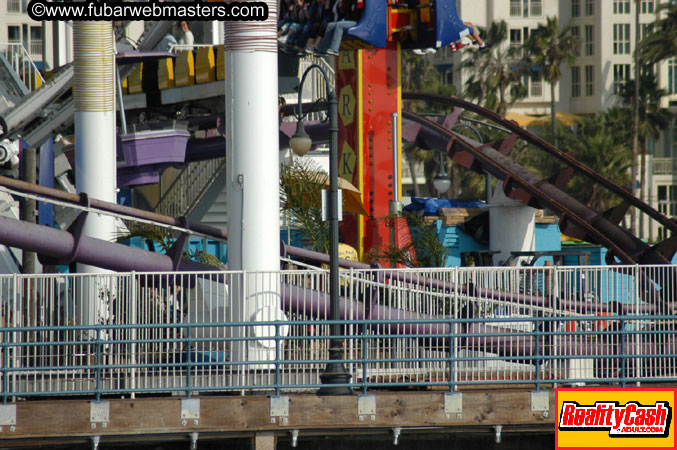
441,182
334,372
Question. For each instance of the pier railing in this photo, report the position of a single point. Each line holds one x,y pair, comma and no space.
129,333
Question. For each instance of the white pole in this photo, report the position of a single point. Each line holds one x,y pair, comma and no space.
95,139
252,189
511,227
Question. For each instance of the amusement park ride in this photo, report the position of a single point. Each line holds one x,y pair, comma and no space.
372,124
370,97
369,92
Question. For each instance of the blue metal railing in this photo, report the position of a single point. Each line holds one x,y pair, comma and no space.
610,351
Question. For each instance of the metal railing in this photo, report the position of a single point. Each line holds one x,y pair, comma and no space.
22,63
515,8
175,48
535,8
36,47
536,89
667,207
150,333
189,187
665,166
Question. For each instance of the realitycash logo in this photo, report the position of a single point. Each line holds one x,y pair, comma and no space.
615,418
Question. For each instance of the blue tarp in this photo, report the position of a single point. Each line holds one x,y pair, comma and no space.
429,206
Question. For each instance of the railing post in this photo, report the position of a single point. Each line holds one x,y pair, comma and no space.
622,353
554,326
133,321
638,337
451,358
98,363
5,361
537,349
189,362
277,359
453,329
16,308
624,334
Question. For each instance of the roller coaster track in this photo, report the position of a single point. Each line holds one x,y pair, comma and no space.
576,219
31,119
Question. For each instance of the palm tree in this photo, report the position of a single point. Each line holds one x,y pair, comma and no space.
549,47
662,45
651,118
597,143
496,79
420,75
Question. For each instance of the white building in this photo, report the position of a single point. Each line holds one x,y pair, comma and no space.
16,27
606,29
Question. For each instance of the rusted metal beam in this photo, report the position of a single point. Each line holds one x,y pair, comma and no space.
80,199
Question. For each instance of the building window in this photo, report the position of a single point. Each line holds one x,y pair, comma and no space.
515,38
536,89
515,8
449,77
575,81
621,39
13,6
621,6
575,8
645,30
621,76
589,81
589,7
667,199
589,40
526,8
14,33
576,33
36,41
648,6
672,76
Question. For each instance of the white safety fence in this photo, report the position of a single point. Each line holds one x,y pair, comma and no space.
22,63
166,332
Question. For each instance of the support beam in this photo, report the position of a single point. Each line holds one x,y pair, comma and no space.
264,440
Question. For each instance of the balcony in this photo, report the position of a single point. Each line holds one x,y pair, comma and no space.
35,48
665,166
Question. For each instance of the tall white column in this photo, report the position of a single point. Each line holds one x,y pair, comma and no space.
511,226
252,189
95,140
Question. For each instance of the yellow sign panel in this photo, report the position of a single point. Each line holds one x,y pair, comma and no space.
615,418
346,59
346,105
347,162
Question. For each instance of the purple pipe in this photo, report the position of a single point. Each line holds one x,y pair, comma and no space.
288,250
316,304
63,246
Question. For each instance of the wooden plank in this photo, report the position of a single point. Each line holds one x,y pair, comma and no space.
468,212
58,419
